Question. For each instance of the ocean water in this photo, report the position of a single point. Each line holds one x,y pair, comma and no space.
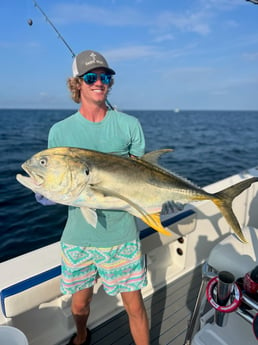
208,146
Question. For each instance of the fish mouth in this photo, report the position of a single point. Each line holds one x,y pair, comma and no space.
32,181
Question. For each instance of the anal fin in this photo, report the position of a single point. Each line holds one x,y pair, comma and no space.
153,220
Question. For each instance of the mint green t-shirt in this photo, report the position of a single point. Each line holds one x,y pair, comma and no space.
117,133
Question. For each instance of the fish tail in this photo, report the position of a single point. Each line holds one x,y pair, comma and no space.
224,201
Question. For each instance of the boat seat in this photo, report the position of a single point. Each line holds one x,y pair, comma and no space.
234,256
26,284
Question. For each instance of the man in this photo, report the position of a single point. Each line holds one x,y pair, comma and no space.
115,238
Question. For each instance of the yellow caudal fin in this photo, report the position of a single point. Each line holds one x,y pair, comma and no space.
153,220
224,201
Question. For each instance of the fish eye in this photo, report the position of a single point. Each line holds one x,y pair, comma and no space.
43,161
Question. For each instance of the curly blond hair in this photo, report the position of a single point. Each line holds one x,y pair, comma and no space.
74,84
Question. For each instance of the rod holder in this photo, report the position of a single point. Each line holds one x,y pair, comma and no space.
224,291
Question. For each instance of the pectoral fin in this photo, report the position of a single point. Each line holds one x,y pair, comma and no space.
109,193
153,220
90,216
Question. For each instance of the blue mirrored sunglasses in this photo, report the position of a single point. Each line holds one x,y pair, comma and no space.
91,78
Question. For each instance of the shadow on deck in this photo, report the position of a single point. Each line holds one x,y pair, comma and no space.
169,310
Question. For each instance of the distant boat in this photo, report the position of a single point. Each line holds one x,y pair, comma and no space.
176,110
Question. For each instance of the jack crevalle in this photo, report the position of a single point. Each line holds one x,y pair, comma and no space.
93,180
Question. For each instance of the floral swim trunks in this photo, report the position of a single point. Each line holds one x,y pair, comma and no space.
121,268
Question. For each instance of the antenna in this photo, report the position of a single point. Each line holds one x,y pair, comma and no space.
53,26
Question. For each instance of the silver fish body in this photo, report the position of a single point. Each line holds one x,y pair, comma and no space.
93,180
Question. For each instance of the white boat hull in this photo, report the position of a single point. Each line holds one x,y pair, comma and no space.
29,285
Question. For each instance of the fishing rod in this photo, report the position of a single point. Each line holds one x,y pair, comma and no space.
253,1
30,22
53,26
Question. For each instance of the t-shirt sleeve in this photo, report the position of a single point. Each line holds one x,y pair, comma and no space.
137,147
52,138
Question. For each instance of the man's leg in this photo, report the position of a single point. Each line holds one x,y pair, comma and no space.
138,319
81,310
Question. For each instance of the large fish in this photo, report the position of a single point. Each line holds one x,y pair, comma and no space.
93,180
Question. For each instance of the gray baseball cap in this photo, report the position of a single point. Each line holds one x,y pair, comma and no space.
87,61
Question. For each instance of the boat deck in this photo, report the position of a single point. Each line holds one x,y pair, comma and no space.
169,310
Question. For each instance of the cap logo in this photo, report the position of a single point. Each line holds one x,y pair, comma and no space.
94,60
93,56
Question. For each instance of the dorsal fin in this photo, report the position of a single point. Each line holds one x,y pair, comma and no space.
153,156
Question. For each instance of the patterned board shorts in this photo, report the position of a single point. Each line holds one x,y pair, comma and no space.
121,268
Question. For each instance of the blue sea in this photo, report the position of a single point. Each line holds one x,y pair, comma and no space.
208,146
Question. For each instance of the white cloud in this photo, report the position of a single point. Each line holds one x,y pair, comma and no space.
137,52
193,22
251,56
163,38
221,92
132,52
90,14
220,5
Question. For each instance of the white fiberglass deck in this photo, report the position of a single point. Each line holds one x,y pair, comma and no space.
169,310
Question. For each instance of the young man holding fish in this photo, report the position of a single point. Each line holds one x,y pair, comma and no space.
98,241
112,249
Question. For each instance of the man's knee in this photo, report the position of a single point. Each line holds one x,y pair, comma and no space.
81,302
133,303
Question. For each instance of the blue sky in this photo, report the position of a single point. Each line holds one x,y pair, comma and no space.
188,54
